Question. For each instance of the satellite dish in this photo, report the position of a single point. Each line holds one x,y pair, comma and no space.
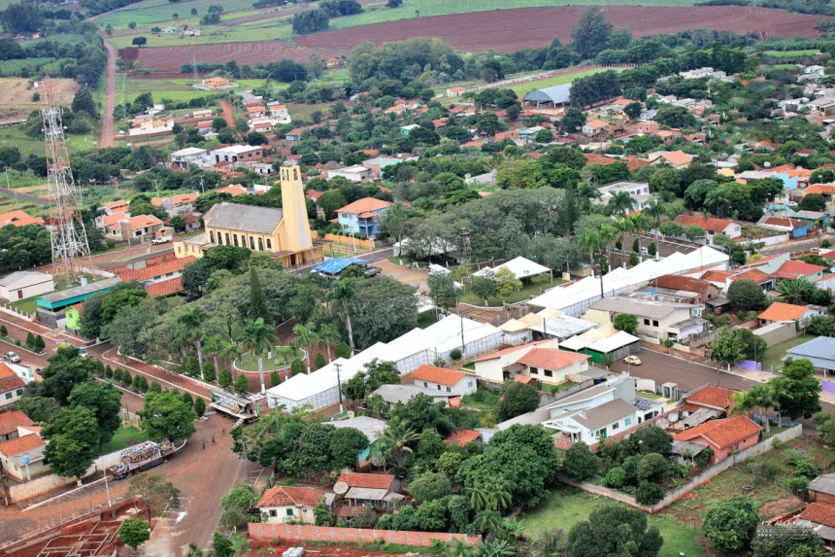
340,488
672,418
767,164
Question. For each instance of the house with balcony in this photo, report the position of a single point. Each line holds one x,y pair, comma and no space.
362,217
657,320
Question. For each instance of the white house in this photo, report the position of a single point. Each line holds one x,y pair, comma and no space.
356,173
638,192
188,157
289,504
540,360
25,284
11,386
441,379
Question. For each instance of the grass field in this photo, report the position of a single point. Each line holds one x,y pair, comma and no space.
566,507
46,65
526,292
791,53
17,96
156,11
774,353
280,358
525,88
175,89
66,38
267,30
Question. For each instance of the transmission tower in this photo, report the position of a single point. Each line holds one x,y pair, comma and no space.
69,239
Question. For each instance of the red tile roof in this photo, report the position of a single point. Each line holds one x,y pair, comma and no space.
633,163
509,350
680,282
114,218
752,274
717,276
282,496
19,218
819,513
463,436
364,205
709,224
9,381
724,434
372,481
144,221
594,158
823,189
677,158
551,358
712,396
10,420
233,189
21,445
165,287
780,311
162,269
783,222
439,375
798,268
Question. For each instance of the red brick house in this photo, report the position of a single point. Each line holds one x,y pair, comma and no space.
723,436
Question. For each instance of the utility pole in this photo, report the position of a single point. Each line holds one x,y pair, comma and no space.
338,367
463,345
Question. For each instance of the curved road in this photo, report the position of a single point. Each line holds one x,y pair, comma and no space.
107,127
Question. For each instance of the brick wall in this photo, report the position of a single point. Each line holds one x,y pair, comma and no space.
294,533
824,498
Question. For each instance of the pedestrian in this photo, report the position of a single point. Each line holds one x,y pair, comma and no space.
213,440
223,431
203,443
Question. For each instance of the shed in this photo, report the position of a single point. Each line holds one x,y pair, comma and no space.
59,300
520,267
820,351
557,95
25,284
336,265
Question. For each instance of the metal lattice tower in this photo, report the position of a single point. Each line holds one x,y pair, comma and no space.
69,238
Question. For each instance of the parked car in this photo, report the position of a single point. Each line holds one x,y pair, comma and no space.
162,239
12,357
632,360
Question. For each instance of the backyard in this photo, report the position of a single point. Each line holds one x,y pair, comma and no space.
280,357
773,355
534,288
568,506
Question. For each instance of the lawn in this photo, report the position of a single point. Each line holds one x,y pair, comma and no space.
33,146
261,30
305,111
527,291
27,305
124,438
566,507
156,11
177,89
774,353
281,358
484,399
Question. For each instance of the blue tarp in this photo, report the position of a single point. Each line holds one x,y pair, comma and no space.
336,265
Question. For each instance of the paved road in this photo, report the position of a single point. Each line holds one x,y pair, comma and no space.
24,196
107,126
792,247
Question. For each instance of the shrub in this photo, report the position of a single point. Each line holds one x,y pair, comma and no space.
342,350
225,378
649,493
615,477
275,379
297,367
455,354
154,387
241,384
108,372
3,331
580,463
208,372
731,524
319,361
199,406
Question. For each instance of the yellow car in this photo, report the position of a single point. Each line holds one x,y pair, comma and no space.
633,360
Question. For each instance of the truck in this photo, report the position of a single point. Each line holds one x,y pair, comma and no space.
141,457
162,239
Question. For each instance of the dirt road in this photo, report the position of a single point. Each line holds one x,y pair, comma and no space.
107,127
228,113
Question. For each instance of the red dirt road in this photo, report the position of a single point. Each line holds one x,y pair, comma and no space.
503,30
510,30
228,113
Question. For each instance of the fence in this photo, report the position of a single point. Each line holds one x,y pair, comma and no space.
694,482
11,310
292,532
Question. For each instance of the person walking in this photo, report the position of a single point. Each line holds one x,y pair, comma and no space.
203,443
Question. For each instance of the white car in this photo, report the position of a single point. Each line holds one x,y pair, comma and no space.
632,360
12,357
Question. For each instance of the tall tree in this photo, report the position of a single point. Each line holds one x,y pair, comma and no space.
257,337
330,336
105,401
799,392
307,339
257,301
591,35
193,321
343,296
167,416
73,440
612,530
66,370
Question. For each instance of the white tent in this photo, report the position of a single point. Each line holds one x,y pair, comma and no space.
519,266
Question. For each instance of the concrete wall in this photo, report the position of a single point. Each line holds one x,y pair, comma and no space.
287,532
696,481
775,335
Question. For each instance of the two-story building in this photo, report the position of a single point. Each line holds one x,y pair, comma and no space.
656,320
11,386
362,217
448,381
638,192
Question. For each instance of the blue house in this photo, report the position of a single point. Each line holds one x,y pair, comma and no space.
362,217
796,228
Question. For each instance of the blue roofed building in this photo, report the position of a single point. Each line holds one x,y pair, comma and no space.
549,97
335,265
820,351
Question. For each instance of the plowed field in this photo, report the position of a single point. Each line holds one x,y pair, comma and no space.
503,30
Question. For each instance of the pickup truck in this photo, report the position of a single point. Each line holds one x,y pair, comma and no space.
162,239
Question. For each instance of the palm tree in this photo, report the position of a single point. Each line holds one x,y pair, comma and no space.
258,337
640,222
496,548
623,226
306,337
343,294
457,548
796,290
608,234
621,203
492,495
229,351
192,321
591,241
330,336
395,440
760,396
655,210
213,346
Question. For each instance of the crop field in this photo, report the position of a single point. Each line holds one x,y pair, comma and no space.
17,96
525,88
158,11
791,53
46,65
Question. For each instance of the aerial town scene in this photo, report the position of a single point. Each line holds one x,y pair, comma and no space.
452,278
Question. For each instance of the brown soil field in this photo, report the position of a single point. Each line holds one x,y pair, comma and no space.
512,30
17,96
503,30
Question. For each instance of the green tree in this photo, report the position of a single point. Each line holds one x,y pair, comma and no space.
73,441
517,398
307,339
633,110
626,322
591,35
134,532
343,294
199,406
236,505
241,383
430,486
104,401
727,348
746,294
156,492
323,514
166,415
192,322
66,370
442,289
798,394
572,120
730,525
257,337
83,102
616,531
222,545
812,202
826,427
224,378
257,301
39,409
773,540
580,464
506,283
